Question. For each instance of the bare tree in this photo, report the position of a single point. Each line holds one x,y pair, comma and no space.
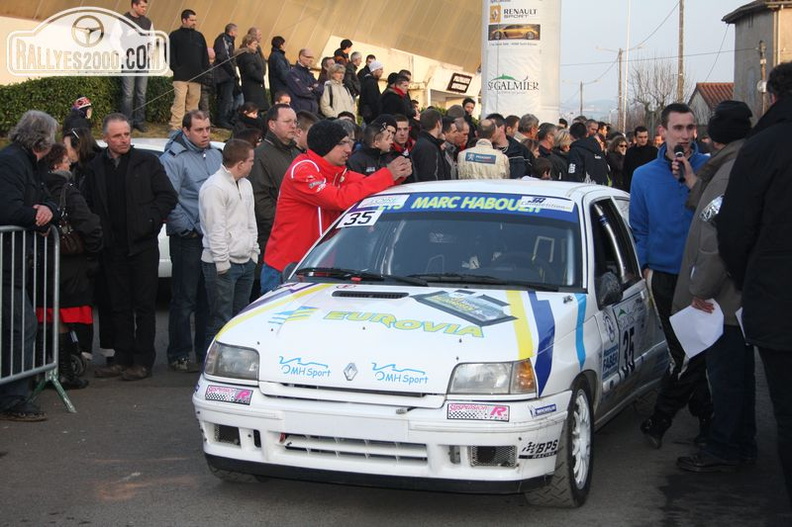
653,86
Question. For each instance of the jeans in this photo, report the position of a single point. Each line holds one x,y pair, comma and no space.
778,372
270,278
225,102
18,340
132,286
685,384
188,298
228,293
730,369
133,98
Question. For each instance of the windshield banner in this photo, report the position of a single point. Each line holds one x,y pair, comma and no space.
519,204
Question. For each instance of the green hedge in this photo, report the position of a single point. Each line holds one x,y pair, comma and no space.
55,95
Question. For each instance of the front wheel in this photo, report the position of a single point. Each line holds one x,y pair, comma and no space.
569,485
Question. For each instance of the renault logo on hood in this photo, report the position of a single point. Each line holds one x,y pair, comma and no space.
350,371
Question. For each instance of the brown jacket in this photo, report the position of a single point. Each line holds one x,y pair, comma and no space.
703,273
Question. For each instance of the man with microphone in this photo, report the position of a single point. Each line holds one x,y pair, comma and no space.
660,223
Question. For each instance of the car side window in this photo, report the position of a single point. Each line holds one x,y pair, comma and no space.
613,249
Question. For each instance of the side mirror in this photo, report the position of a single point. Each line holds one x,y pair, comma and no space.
287,272
609,289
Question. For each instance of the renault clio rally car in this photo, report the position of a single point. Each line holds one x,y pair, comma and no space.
466,336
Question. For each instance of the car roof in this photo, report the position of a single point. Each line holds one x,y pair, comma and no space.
156,144
556,189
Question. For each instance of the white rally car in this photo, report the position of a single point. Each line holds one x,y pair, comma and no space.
466,336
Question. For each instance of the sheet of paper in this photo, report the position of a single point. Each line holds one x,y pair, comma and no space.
697,330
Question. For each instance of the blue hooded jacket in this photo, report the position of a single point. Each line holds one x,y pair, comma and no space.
658,216
187,167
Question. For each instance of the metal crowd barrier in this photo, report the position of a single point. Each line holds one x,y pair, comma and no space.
27,259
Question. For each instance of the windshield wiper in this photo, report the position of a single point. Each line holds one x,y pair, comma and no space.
349,274
469,278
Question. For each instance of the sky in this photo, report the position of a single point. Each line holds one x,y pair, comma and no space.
587,25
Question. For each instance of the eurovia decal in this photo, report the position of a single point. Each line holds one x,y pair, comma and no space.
505,82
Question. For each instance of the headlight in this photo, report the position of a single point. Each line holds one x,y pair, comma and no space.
493,378
223,360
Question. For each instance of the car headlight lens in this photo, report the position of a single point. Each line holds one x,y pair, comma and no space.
493,378
223,360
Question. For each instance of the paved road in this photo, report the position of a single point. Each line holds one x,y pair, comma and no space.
132,456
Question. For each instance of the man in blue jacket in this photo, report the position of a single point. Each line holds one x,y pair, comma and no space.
660,223
189,160
303,87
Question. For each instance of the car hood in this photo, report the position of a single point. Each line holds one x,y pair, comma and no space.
397,339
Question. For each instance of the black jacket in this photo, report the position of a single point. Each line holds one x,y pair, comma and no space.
21,187
368,160
278,71
635,157
252,69
429,163
351,80
755,229
520,159
368,104
560,165
224,49
188,55
615,162
587,162
76,288
149,199
392,103
270,162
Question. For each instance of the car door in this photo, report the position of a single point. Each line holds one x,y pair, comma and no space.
628,326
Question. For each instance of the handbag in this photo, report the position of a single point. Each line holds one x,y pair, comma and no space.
71,241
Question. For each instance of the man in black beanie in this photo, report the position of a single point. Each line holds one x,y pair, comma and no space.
703,278
316,189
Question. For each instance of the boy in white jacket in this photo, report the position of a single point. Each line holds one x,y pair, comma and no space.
230,246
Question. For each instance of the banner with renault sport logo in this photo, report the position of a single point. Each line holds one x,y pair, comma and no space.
521,49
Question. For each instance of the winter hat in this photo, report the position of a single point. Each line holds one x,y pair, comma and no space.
324,136
730,122
375,65
81,104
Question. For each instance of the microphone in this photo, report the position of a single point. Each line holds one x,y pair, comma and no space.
679,153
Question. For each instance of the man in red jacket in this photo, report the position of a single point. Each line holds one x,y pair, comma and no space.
316,189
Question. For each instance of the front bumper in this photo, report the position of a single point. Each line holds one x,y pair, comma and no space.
462,446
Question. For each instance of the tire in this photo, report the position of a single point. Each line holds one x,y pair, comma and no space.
498,36
231,476
569,485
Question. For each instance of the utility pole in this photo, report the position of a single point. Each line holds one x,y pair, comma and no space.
581,98
681,54
620,124
763,74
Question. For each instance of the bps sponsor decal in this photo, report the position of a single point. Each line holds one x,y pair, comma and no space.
87,41
539,450
478,412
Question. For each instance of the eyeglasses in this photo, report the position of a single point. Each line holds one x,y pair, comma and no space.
622,146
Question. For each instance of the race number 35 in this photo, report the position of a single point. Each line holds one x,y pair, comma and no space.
360,218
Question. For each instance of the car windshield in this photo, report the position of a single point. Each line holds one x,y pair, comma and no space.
490,240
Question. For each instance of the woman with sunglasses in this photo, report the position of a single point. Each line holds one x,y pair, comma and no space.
615,157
